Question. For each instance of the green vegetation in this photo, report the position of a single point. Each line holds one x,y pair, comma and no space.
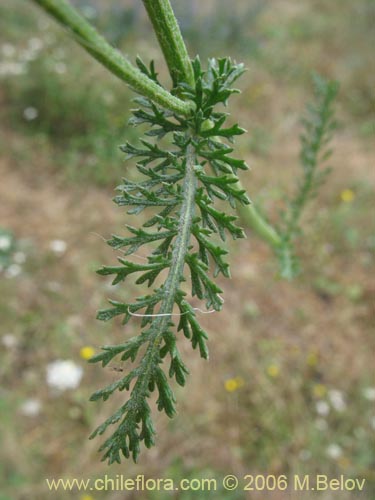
280,349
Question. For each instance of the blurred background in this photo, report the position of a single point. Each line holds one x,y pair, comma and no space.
290,385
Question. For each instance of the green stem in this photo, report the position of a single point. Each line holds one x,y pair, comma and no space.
99,48
170,39
136,407
254,220
172,284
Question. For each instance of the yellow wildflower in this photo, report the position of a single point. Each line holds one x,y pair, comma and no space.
347,195
319,390
312,359
86,497
273,371
87,352
232,384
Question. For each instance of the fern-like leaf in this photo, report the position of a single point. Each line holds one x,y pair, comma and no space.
182,183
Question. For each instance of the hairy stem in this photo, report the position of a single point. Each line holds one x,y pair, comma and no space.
111,58
170,39
172,284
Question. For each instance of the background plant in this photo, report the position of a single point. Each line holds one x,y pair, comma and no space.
268,320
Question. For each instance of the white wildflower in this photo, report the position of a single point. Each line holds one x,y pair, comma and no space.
13,271
58,246
5,242
30,113
337,400
369,393
31,407
322,408
9,341
64,374
334,451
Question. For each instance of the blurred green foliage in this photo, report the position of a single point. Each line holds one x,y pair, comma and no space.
84,113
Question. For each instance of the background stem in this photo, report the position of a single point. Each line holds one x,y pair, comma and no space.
251,218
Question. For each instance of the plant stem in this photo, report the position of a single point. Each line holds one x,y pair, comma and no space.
172,284
98,47
253,219
170,39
